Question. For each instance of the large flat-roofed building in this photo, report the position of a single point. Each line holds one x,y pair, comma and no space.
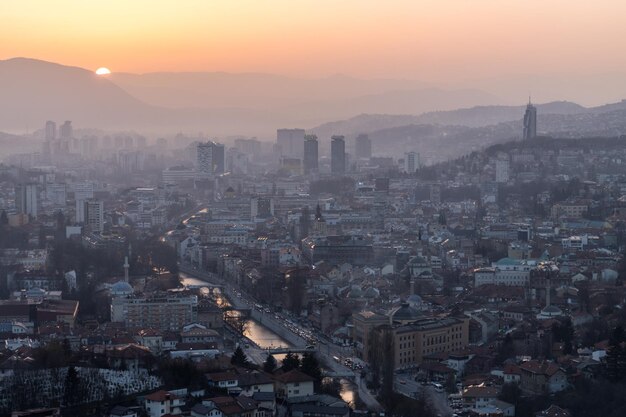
164,311
411,341
357,250
428,336
290,142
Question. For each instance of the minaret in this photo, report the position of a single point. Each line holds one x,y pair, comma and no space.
126,266
548,287
412,291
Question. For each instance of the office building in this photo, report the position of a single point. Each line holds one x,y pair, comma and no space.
311,155
363,147
338,155
66,131
51,130
261,207
530,121
168,311
94,215
56,193
27,199
414,340
290,142
411,162
502,170
210,158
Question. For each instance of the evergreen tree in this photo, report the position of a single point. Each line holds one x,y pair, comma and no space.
311,366
4,219
72,387
270,364
291,361
615,361
239,358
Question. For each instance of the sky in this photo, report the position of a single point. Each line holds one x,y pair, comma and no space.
434,41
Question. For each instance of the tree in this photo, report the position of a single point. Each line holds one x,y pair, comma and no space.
72,387
311,366
270,364
615,361
4,219
238,322
291,361
239,358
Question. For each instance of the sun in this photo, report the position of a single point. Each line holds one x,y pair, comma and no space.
103,71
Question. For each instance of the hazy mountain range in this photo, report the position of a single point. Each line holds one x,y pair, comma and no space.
217,103
221,104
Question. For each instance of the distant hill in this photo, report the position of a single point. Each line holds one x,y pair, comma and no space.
34,91
217,103
477,116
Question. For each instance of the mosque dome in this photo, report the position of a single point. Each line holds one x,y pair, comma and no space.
405,313
121,288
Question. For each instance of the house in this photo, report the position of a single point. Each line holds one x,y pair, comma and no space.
150,338
161,403
266,402
225,380
479,396
253,382
294,384
226,407
306,410
197,333
511,374
540,378
553,411
121,411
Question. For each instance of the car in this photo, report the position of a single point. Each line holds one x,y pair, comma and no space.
402,381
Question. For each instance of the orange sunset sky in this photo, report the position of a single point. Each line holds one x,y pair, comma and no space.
430,40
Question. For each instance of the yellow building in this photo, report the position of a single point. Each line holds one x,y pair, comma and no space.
414,338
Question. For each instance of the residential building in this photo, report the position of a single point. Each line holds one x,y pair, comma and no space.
338,155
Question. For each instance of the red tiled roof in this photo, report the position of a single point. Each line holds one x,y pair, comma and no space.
542,368
160,396
294,376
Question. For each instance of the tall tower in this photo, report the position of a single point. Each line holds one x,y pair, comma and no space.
51,130
291,142
411,162
530,121
27,199
363,147
338,155
66,131
310,153
210,158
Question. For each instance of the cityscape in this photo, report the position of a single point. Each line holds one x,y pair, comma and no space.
306,245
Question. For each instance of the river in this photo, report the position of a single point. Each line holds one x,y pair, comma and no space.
261,335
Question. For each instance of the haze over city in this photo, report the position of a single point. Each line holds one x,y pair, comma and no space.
313,208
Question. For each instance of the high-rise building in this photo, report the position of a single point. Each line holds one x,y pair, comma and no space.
530,121
66,131
338,155
363,147
51,130
310,153
94,215
502,170
291,142
27,199
210,158
411,162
